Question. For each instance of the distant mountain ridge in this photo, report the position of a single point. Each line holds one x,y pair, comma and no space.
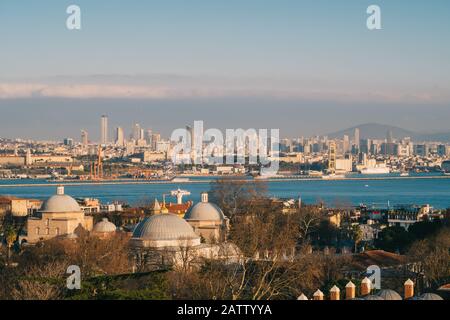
380,131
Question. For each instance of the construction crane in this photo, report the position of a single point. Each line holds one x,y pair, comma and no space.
96,170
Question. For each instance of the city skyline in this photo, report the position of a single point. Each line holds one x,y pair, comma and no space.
304,67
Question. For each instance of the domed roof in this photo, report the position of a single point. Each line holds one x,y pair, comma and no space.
430,296
60,203
205,210
373,297
388,294
164,227
104,226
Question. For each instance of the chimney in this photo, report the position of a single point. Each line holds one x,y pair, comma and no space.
409,289
350,291
366,285
335,293
60,190
318,295
302,297
204,197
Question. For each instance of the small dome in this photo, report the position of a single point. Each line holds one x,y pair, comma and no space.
104,226
373,297
388,294
60,203
430,296
164,227
205,211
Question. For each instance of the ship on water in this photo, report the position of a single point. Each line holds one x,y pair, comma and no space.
376,170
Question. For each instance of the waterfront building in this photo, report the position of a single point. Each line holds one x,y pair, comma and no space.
59,215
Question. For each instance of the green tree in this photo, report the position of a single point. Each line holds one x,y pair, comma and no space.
10,238
357,236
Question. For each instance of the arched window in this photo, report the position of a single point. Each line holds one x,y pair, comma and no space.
37,230
47,231
57,231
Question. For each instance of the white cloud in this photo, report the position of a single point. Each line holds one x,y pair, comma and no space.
214,89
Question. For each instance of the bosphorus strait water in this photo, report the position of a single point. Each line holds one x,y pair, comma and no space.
435,192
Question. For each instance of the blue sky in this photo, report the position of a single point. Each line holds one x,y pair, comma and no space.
301,51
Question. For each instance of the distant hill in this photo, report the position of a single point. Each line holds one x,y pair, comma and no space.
379,131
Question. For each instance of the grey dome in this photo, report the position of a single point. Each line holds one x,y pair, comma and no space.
164,227
205,211
373,297
60,203
430,296
388,294
104,226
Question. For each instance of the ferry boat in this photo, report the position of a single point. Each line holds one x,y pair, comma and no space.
333,176
376,170
404,174
180,179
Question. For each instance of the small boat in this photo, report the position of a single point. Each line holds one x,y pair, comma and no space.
404,174
180,180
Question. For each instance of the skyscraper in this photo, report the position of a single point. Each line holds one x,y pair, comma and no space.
84,137
120,138
104,130
357,138
389,137
136,131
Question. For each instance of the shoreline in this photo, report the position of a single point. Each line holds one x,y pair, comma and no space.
144,182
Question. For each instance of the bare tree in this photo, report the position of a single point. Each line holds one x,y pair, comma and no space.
44,282
234,195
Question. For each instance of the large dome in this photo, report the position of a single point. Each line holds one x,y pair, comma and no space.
205,211
60,203
164,227
104,226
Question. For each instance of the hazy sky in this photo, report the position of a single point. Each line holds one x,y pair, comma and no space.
306,67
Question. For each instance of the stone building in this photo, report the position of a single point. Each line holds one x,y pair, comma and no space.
208,220
59,215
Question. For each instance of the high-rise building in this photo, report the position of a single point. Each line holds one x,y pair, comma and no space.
389,137
84,138
136,132
120,138
104,130
357,138
156,137
148,136
346,144
68,142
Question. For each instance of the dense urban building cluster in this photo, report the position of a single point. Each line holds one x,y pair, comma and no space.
145,154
